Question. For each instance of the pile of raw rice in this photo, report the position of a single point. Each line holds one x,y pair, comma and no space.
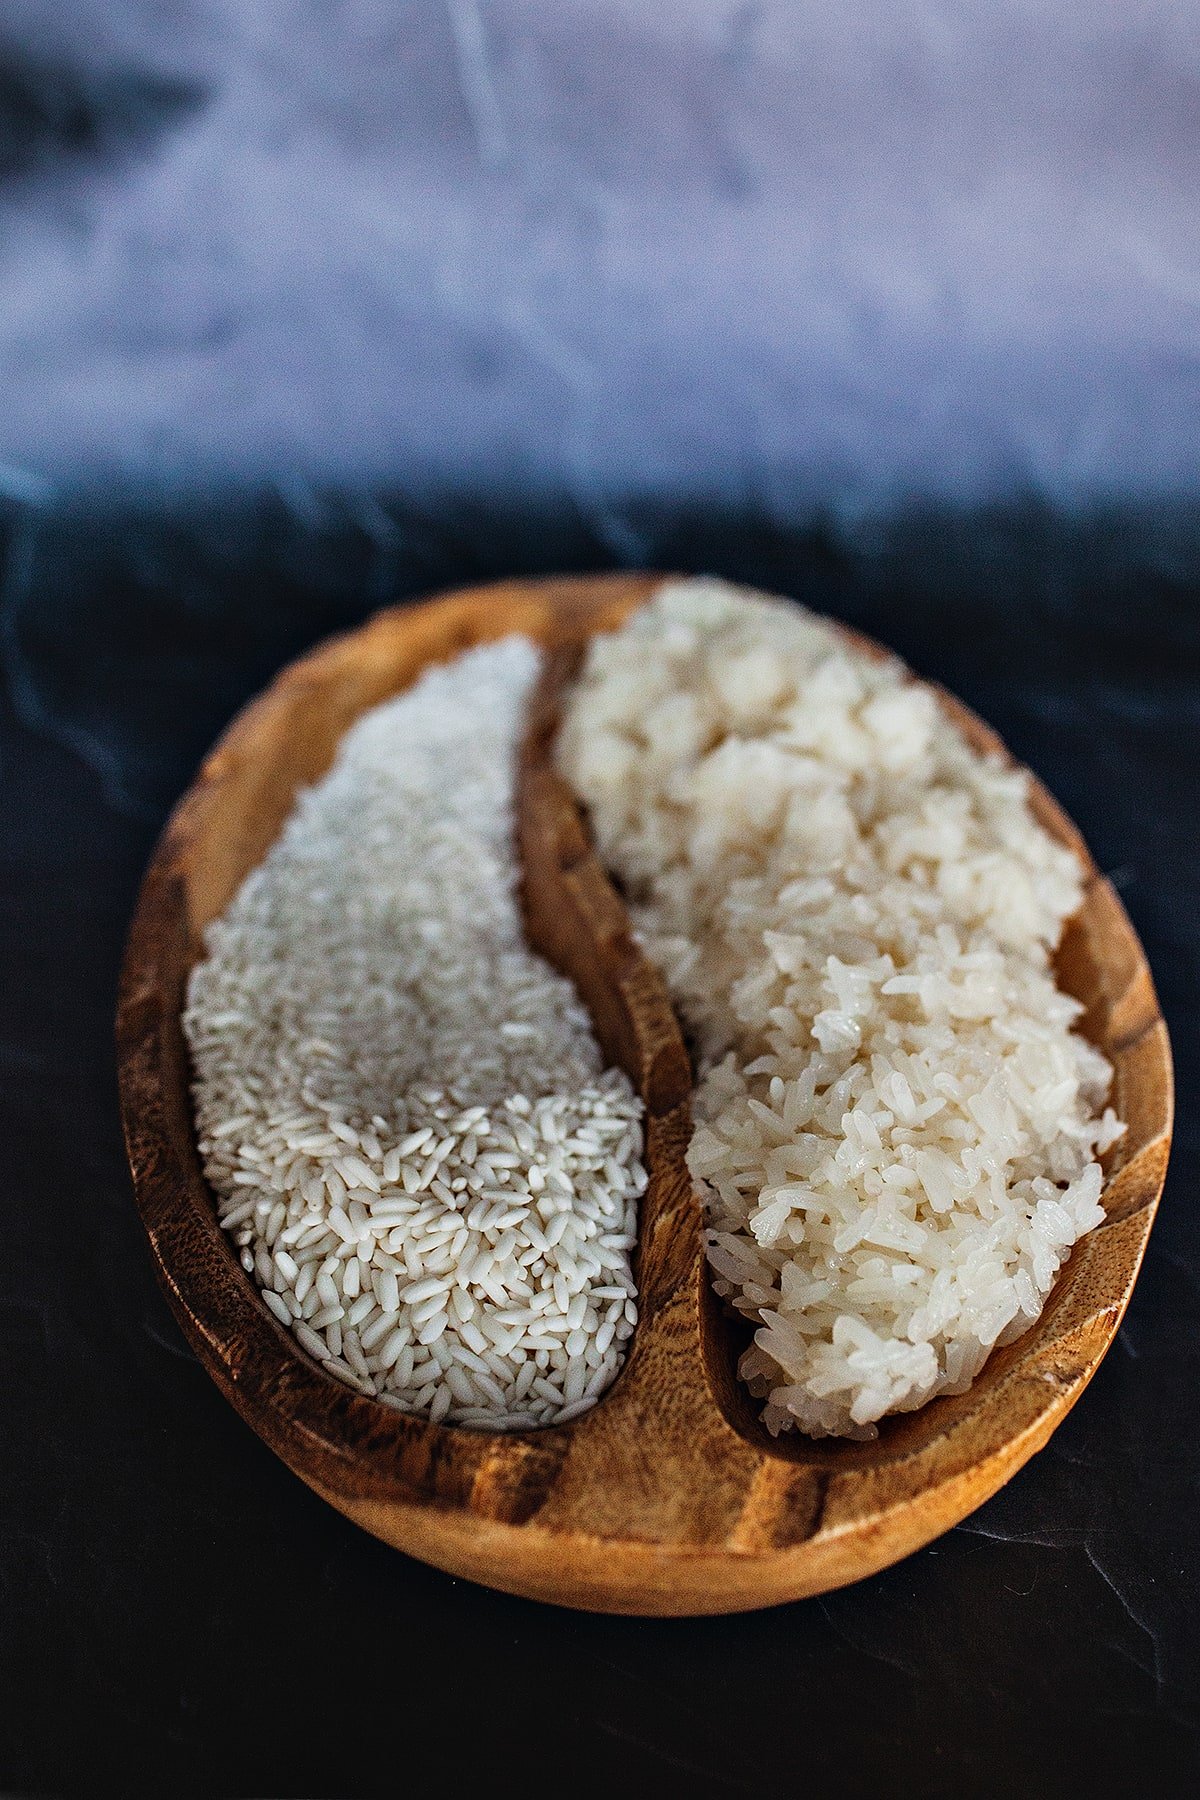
404,1112
896,1128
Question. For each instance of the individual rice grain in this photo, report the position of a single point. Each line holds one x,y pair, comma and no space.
896,1127
404,1113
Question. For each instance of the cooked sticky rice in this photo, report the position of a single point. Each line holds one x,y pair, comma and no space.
896,1125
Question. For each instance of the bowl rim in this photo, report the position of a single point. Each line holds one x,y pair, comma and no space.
395,1472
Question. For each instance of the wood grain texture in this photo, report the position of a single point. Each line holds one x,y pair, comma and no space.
669,1497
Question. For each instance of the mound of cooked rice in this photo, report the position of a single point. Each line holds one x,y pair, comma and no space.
896,1127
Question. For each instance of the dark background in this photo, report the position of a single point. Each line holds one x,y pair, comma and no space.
179,1615
306,310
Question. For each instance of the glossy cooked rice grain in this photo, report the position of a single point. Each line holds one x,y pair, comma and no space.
896,1127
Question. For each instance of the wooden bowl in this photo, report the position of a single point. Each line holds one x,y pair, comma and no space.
669,1497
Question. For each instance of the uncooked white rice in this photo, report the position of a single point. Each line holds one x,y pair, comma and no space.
896,1127
404,1112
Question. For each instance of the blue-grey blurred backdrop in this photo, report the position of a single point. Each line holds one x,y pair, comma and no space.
310,304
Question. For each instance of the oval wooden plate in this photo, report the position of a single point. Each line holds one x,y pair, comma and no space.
669,1497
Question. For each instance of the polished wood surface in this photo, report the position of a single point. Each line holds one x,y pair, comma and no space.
669,1497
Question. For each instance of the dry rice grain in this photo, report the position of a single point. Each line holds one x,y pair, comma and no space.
374,1047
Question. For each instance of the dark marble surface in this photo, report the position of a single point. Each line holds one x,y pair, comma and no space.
179,1615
